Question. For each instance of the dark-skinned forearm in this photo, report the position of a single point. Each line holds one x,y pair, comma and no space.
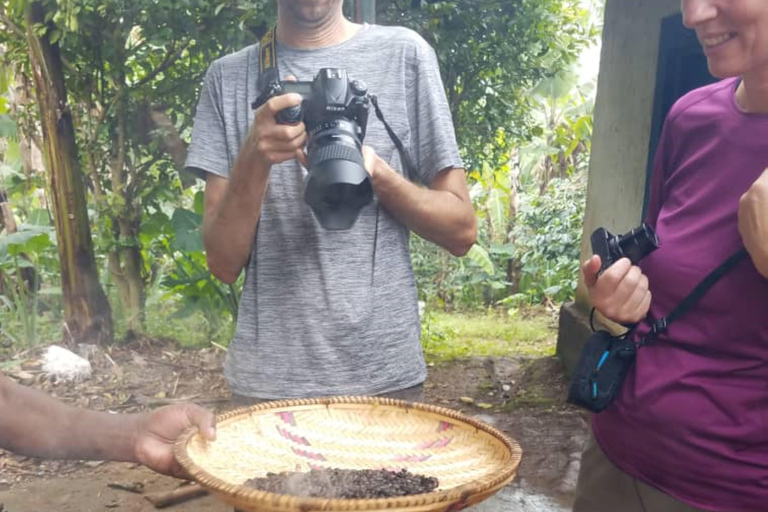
436,215
36,425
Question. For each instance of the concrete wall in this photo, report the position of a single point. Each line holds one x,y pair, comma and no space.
622,128
623,114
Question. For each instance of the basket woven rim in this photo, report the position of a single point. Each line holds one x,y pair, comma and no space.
252,495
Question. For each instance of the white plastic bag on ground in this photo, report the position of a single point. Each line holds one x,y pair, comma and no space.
62,364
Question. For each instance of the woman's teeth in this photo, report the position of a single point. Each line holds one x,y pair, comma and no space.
717,40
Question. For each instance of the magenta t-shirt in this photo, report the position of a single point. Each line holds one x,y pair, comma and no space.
692,417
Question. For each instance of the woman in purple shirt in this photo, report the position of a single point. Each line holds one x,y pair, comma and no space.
689,429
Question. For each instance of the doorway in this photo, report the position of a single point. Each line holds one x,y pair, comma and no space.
682,67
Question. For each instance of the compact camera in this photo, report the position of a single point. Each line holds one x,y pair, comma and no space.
635,245
335,112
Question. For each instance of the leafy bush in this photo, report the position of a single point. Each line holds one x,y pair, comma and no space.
23,255
547,241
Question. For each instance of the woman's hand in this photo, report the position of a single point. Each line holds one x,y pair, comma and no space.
753,222
620,293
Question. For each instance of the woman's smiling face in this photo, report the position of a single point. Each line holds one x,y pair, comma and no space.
733,33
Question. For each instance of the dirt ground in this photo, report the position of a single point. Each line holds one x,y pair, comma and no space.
524,397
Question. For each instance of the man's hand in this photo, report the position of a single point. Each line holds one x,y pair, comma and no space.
753,222
371,161
620,293
157,432
233,205
442,213
270,143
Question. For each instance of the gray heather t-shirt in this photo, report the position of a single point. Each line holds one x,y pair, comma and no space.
329,312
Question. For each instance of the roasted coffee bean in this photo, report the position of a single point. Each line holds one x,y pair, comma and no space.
345,483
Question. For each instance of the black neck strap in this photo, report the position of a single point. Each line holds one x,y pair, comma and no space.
662,324
407,162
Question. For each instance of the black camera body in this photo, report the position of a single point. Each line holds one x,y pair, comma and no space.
635,245
335,112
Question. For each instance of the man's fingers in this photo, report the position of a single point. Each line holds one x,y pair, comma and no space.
284,156
204,420
297,135
279,103
301,156
275,149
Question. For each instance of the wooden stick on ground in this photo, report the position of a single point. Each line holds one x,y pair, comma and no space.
180,495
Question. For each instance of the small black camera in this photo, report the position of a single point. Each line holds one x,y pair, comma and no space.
635,245
335,112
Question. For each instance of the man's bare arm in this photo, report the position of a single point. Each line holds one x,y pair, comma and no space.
233,206
442,213
36,425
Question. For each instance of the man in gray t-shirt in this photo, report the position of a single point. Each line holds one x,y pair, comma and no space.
326,312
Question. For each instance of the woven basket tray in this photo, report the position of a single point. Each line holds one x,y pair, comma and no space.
470,459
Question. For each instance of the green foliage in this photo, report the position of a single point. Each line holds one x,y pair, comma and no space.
530,213
522,125
190,281
548,235
22,254
491,53
133,70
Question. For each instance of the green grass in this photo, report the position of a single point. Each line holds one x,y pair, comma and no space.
191,332
445,336
448,336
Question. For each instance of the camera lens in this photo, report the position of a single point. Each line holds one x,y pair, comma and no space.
338,186
638,243
336,194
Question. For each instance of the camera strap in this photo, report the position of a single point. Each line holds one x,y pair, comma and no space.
410,169
662,324
269,74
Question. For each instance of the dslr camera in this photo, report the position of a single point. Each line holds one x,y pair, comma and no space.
335,112
635,245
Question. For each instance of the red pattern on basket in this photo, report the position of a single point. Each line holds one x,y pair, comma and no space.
459,505
287,417
292,437
308,455
412,458
444,425
437,443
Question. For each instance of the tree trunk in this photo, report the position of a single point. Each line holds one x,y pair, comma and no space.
125,267
7,221
125,261
514,270
87,313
